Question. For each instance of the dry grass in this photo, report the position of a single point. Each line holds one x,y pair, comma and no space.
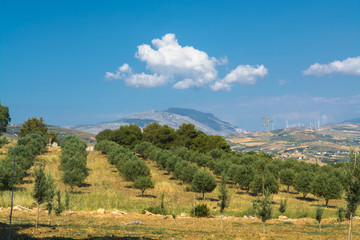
88,225
105,188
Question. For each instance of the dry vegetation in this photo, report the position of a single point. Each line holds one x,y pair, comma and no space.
105,188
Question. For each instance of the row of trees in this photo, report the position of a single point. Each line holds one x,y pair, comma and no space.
182,169
44,192
27,148
129,165
164,137
73,161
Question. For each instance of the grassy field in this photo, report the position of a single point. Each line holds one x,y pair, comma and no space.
87,225
105,188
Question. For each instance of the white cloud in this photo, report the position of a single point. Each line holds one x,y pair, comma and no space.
243,74
349,66
186,67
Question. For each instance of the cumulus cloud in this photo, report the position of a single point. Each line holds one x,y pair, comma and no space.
184,66
349,66
243,74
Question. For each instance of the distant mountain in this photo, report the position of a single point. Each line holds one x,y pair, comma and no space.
352,121
12,132
173,117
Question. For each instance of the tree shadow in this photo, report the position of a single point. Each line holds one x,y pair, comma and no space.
15,228
85,185
166,173
306,199
322,205
207,199
114,171
290,192
248,193
147,196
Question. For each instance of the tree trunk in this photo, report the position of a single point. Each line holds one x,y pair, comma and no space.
221,223
263,227
326,202
65,214
320,226
288,189
304,195
142,193
350,226
37,217
203,195
49,218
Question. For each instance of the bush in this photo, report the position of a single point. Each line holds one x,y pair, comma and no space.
134,169
3,141
35,140
143,183
105,146
201,210
6,173
24,157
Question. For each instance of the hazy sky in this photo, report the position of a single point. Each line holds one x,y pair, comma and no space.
78,62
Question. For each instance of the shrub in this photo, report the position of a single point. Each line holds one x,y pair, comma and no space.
143,183
201,210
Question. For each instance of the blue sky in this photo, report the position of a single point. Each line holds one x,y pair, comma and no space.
296,61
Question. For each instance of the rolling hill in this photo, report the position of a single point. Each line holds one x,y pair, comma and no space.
327,144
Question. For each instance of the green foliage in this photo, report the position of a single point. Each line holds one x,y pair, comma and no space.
52,137
104,135
341,213
270,183
353,184
201,210
73,161
134,169
106,146
24,157
3,141
326,185
75,172
50,194
319,213
6,173
283,205
35,140
287,177
242,175
33,124
303,181
59,206
67,199
162,204
4,118
143,183
127,136
263,208
203,182
224,196
40,185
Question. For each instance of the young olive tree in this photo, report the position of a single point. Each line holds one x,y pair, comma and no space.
224,197
203,182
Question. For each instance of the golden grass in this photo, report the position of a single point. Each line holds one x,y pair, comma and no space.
105,188
88,225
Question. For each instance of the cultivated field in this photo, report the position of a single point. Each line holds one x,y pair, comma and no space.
105,188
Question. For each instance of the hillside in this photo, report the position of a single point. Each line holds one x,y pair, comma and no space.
106,189
13,130
327,144
172,117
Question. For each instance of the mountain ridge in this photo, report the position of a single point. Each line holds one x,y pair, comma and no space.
172,117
